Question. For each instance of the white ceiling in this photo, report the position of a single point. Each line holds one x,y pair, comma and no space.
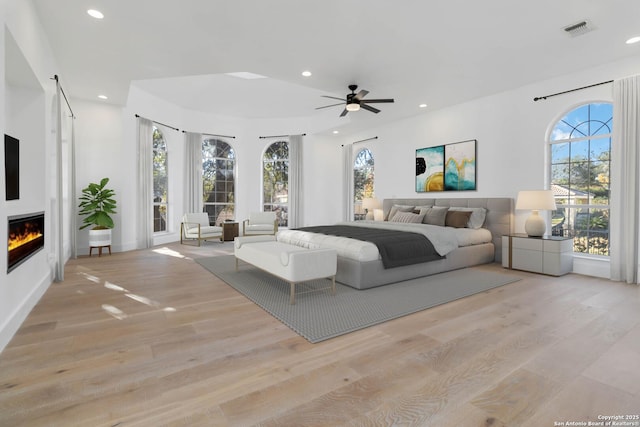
435,52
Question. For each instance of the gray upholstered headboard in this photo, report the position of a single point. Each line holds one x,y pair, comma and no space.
499,213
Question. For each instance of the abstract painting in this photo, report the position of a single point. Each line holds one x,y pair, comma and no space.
449,167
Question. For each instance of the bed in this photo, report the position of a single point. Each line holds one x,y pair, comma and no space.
360,264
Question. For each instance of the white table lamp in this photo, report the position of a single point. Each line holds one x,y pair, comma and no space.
535,201
369,204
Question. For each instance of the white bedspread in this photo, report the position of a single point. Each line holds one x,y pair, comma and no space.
444,239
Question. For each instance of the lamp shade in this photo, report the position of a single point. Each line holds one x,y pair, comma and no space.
354,106
536,200
369,204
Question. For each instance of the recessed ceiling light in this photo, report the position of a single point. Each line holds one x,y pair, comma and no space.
335,131
102,96
633,40
306,73
95,13
422,105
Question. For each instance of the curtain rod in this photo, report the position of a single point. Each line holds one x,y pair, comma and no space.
55,77
279,136
213,134
159,123
538,98
365,140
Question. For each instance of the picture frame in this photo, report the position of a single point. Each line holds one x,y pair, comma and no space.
448,167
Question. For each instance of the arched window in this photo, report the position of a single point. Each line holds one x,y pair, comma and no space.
579,154
218,180
160,181
362,181
275,181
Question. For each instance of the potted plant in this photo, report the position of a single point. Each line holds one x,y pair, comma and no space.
97,203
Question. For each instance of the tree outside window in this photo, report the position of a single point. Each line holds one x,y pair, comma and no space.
275,181
160,181
218,180
580,153
362,181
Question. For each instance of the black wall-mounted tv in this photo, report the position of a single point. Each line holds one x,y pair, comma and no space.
12,167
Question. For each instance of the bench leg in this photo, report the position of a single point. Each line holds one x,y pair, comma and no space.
333,285
236,263
292,297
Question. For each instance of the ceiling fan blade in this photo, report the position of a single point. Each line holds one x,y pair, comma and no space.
344,113
332,97
369,108
327,106
369,101
361,94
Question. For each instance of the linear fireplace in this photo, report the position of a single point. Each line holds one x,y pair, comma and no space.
26,237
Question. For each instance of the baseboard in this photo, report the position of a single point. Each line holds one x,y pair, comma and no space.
590,266
11,326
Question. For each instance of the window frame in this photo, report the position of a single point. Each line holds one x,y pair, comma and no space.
160,206
220,216
593,240
281,208
358,211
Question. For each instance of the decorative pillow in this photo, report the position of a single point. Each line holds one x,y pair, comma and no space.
477,218
458,219
434,215
396,208
407,217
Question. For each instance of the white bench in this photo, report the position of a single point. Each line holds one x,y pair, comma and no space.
293,264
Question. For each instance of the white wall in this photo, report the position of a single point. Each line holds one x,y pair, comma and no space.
26,113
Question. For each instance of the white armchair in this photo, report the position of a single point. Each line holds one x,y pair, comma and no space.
260,223
195,226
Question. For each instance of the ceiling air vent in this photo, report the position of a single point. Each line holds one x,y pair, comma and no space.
578,29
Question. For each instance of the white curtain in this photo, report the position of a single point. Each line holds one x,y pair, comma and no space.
625,181
347,179
193,172
295,181
63,203
144,220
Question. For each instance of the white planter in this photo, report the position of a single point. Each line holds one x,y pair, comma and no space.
99,238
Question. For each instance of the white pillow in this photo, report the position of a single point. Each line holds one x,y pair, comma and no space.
478,215
407,217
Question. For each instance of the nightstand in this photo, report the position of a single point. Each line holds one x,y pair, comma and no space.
552,255
230,230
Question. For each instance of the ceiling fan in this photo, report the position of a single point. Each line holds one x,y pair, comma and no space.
354,101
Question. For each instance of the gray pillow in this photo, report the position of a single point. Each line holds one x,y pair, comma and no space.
434,215
458,219
396,208
478,215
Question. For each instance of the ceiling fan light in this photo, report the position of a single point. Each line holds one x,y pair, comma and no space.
353,107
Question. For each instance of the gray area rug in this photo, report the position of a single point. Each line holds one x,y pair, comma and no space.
317,315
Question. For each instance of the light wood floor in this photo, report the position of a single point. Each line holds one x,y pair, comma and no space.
149,338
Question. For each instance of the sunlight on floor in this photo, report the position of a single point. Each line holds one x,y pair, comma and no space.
113,287
115,311
169,252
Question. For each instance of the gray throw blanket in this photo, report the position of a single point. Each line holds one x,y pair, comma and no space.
397,248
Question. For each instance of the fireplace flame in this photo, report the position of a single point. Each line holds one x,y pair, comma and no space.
17,240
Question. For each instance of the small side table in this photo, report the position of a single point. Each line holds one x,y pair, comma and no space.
230,230
552,255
